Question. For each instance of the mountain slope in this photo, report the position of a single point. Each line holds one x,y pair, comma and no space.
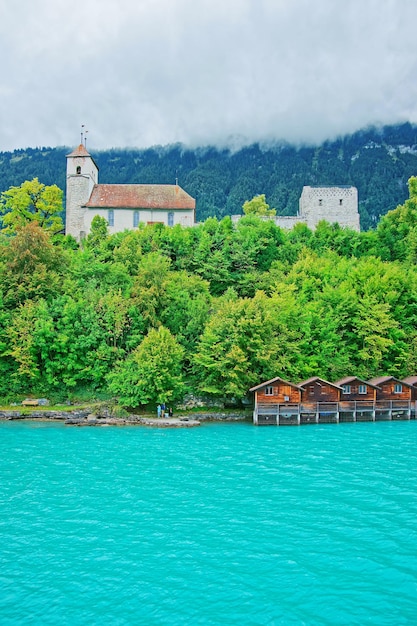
377,161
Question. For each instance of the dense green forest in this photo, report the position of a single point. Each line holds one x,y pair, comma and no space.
377,161
150,314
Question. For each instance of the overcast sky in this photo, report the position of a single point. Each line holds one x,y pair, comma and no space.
226,72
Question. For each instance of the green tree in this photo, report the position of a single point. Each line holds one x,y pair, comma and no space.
69,342
32,201
148,292
373,326
247,340
128,250
185,308
258,206
21,344
98,235
151,373
31,266
395,227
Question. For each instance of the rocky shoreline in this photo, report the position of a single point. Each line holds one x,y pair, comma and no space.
103,418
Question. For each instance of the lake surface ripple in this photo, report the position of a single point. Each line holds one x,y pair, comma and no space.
221,524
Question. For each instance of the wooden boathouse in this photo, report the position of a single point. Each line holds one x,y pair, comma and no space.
277,399
412,380
317,401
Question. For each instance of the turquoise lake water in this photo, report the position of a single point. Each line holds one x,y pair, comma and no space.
220,524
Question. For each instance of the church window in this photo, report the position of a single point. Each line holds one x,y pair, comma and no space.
110,217
171,218
320,202
340,201
78,169
135,219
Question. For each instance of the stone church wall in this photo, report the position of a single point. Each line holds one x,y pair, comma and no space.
77,195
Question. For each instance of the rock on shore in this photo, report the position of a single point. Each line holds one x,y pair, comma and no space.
42,415
84,417
134,420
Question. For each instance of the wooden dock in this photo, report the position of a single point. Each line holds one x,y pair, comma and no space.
296,414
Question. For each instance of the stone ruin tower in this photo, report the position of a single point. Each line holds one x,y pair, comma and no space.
331,203
82,175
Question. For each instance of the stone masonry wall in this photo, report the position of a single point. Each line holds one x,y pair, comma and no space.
287,221
77,195
79,188
333,204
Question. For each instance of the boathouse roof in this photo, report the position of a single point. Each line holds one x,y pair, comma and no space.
318,380
350,379
380,380
274,380
410,380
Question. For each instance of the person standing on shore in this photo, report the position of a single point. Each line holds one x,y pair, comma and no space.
158,410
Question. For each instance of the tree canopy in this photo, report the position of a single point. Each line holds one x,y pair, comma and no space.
147,314
378,161
32,201
152,373
258,206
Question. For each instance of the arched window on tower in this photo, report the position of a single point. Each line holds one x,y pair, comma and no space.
78,169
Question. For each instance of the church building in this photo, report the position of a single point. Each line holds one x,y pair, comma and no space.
123,206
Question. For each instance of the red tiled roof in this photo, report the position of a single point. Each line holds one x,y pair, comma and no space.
140,197
80,151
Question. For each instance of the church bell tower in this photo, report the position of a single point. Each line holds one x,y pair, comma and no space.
82,175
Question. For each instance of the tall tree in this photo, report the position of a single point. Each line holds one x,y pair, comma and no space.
152,373
31,265
247,340
395,227
258,206
32,201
